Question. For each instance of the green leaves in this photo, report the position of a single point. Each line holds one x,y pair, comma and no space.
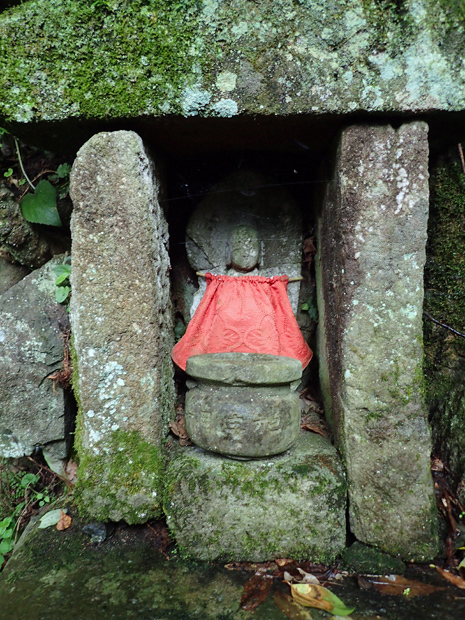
41,207
310,595
50,518
62,282
29,479
7,528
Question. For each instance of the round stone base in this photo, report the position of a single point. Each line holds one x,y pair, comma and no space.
243,405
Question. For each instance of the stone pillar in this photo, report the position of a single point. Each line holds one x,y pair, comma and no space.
372,234
122,328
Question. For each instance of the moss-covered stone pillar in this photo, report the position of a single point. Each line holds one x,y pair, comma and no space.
121,323
372,234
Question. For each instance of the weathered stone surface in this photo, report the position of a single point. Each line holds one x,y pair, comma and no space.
222,59
244,368
372,235
291,505
10,274
33,411
243,421
122,328
18,240
243,404
246,209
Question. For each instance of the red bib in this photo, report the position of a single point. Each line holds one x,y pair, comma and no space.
244,314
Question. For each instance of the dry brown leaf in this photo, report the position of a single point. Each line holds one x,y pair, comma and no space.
283,562
255,591
178,428
309,251
314,428
455,579
64,522
400,585
71,471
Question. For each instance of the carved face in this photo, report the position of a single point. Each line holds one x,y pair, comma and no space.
245,248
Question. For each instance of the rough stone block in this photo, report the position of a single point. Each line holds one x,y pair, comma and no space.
10,274
292,505
372,235
33,411
122,328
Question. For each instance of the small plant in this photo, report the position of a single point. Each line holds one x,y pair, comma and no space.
41,206
62,282
22,493
310,307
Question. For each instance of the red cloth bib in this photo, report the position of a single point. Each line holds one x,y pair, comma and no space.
243,314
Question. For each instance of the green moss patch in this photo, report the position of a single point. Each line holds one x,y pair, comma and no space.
292,505
445,302
124,480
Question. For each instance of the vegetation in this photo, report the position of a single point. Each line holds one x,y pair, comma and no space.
25,487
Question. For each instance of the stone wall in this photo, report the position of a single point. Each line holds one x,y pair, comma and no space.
34,410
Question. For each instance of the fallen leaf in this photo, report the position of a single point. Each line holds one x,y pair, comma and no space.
178,428
50,518
71,471
310,595
400,585
455,579
290,608
255,591
308,577
283,562
313,427
309,251
63,522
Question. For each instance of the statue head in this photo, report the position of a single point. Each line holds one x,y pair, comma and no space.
245,248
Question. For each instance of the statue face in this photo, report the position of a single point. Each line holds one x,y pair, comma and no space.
245,248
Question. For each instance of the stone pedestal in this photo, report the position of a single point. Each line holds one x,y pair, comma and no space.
122,328
371,241
243,404
292,505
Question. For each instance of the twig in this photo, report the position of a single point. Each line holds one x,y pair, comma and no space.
65,480
462,159
35,179
454,331
202,275
21,164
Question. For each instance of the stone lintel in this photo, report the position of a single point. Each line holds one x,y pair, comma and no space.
372,235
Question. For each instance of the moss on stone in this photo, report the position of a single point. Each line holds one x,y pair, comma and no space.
291,504
362,559
123,480
445,302
118,60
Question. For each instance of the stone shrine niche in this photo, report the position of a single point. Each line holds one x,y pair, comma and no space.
246,225
243,345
